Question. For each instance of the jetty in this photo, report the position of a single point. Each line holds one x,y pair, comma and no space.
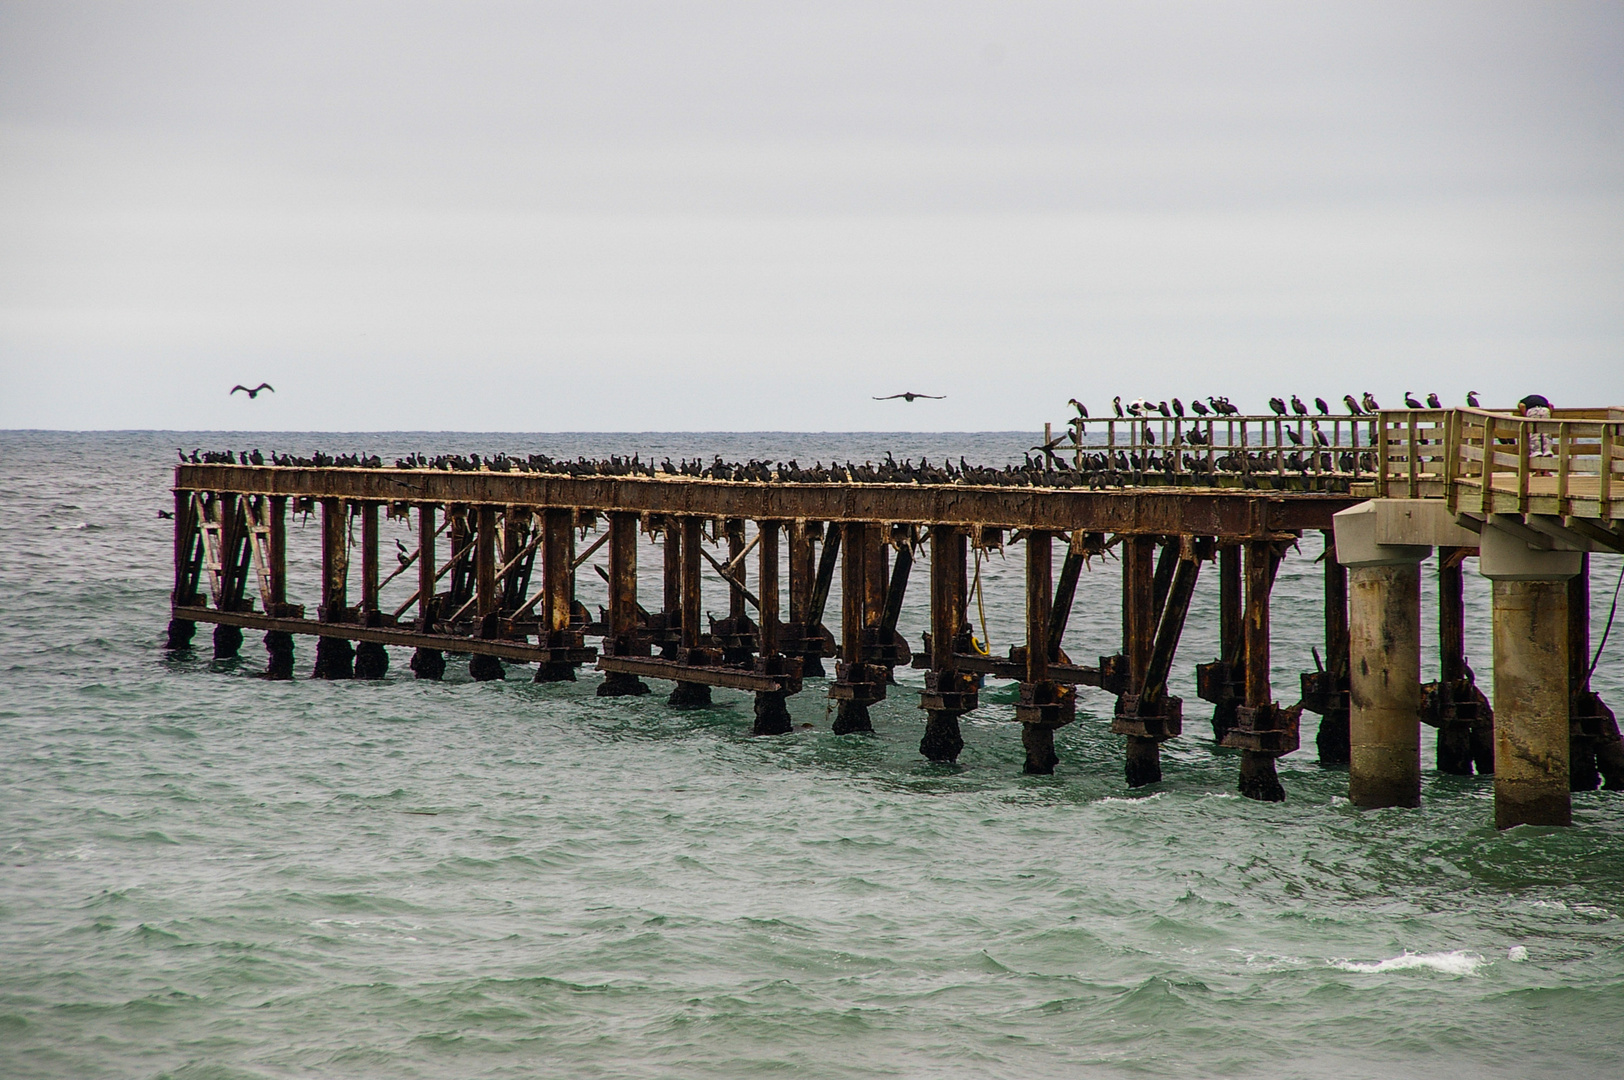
496,560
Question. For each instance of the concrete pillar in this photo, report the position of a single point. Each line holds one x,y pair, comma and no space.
1384,725
1530,678
1384,653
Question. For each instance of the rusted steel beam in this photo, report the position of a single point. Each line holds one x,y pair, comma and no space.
1259,582
692,538
1039,597
369,557
557,578
671,579
1168,631
896,589
1263,730
426,575
1165,511
802,570
767,582
1065,594
276,522
1166,561
335,656
1327,691
1142,763
690,694
949,691
621,640
335,560
1044,703
485,557
513,650
853,589
649,667
828,560
734,530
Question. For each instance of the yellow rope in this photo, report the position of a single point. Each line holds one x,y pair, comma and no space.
985,645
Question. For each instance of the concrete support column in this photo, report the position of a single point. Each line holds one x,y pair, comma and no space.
1530,678
1384,653
1384,724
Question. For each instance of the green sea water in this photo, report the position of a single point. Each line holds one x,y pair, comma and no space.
203,874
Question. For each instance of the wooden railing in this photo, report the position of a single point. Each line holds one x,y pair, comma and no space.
1214,448
1483,462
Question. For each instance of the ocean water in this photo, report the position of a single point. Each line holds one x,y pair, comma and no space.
203,874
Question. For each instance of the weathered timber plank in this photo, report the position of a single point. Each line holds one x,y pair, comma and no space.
654,668
1139,511
511,650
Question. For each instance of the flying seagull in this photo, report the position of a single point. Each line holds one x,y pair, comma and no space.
254,393
910,397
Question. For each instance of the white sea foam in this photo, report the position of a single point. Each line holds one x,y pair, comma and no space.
1132,800
1517,954
1455,962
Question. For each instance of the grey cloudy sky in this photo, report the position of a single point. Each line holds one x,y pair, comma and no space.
701,216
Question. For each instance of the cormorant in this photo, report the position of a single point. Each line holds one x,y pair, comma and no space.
1116,403
910,397
1369,402
1082,410
1297,406
1410,401
1278,406
1353,405
1200,409
1319,403
1433,402
1471,400
254,393
1178,408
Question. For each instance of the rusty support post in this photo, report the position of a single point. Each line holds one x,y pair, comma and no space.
515,538
1143,761
426,663
1459,743
1595,752
335,657
558,597
621,639
854,687
1258,776
671,588
276,522
736,633
1332,739
772,714
828,560
691,695
1044,705
371,658
278,643
188,560
1231,641
948,692
482,667
233,575
803,575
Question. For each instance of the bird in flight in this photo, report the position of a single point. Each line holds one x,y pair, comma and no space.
910,397
254,393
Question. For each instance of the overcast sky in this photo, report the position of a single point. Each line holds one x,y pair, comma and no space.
746,216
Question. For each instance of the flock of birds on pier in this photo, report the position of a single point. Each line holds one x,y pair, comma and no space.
1191,457
1222,406
1099,469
